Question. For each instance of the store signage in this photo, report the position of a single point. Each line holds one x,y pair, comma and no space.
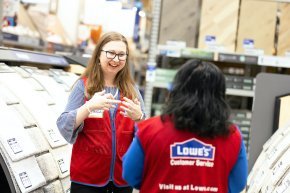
267,61
165,75
197,53
151,72
248,43
237,58
276,61
10,37
209,39
26,182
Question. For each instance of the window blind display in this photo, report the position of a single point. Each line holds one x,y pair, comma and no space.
13,137
271,170
23,115
35,154
27,174
47,166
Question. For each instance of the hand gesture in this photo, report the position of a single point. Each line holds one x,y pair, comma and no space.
131,108
102,101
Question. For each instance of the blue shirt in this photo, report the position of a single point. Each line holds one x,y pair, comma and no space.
66,121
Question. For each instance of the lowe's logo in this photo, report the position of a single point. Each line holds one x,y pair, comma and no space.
192,149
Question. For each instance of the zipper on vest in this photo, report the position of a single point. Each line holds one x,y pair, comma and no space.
113,127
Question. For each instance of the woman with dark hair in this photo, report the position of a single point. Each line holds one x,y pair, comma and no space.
94,121
192,146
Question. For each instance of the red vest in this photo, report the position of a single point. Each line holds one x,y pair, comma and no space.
93,158
180,161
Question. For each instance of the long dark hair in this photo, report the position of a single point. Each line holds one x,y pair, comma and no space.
197,100
94,73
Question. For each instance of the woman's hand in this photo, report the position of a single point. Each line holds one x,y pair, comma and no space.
101,101
131,109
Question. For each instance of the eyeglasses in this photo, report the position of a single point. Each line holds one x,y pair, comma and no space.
112,55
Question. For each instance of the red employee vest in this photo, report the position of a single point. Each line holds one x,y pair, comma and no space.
180,161
93,159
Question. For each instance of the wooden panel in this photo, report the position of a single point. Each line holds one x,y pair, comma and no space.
24,19
178,21
284,29
219,19
257,22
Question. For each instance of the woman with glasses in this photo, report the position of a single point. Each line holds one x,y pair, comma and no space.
99,118
192,146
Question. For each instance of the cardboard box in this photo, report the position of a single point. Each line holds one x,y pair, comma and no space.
257,23
218,24
283,44
179,21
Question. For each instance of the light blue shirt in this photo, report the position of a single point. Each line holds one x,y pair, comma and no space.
66,121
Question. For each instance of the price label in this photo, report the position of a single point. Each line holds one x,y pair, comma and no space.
62,166
97,114
210,40
53,135
151,73
248,43
14,145
25,179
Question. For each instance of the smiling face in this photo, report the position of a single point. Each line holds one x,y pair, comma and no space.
111,67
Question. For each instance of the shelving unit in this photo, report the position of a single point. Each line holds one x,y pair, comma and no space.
24,34
179,56
240,87
13,40
30,34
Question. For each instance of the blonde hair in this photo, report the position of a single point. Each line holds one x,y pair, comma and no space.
94,73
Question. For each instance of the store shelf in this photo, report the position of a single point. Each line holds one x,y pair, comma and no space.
227,57
239,92
18,55
22,41
83,61
229,91
161,85
237,58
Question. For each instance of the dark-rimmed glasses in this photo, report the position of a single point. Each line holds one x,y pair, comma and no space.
112,55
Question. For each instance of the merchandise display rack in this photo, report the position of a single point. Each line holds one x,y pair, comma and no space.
22,41
12,39
33,89
159,79
24,34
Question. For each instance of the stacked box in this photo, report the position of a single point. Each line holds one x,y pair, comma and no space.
179,21
257,23
242,118
240,82
283,44
218,24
